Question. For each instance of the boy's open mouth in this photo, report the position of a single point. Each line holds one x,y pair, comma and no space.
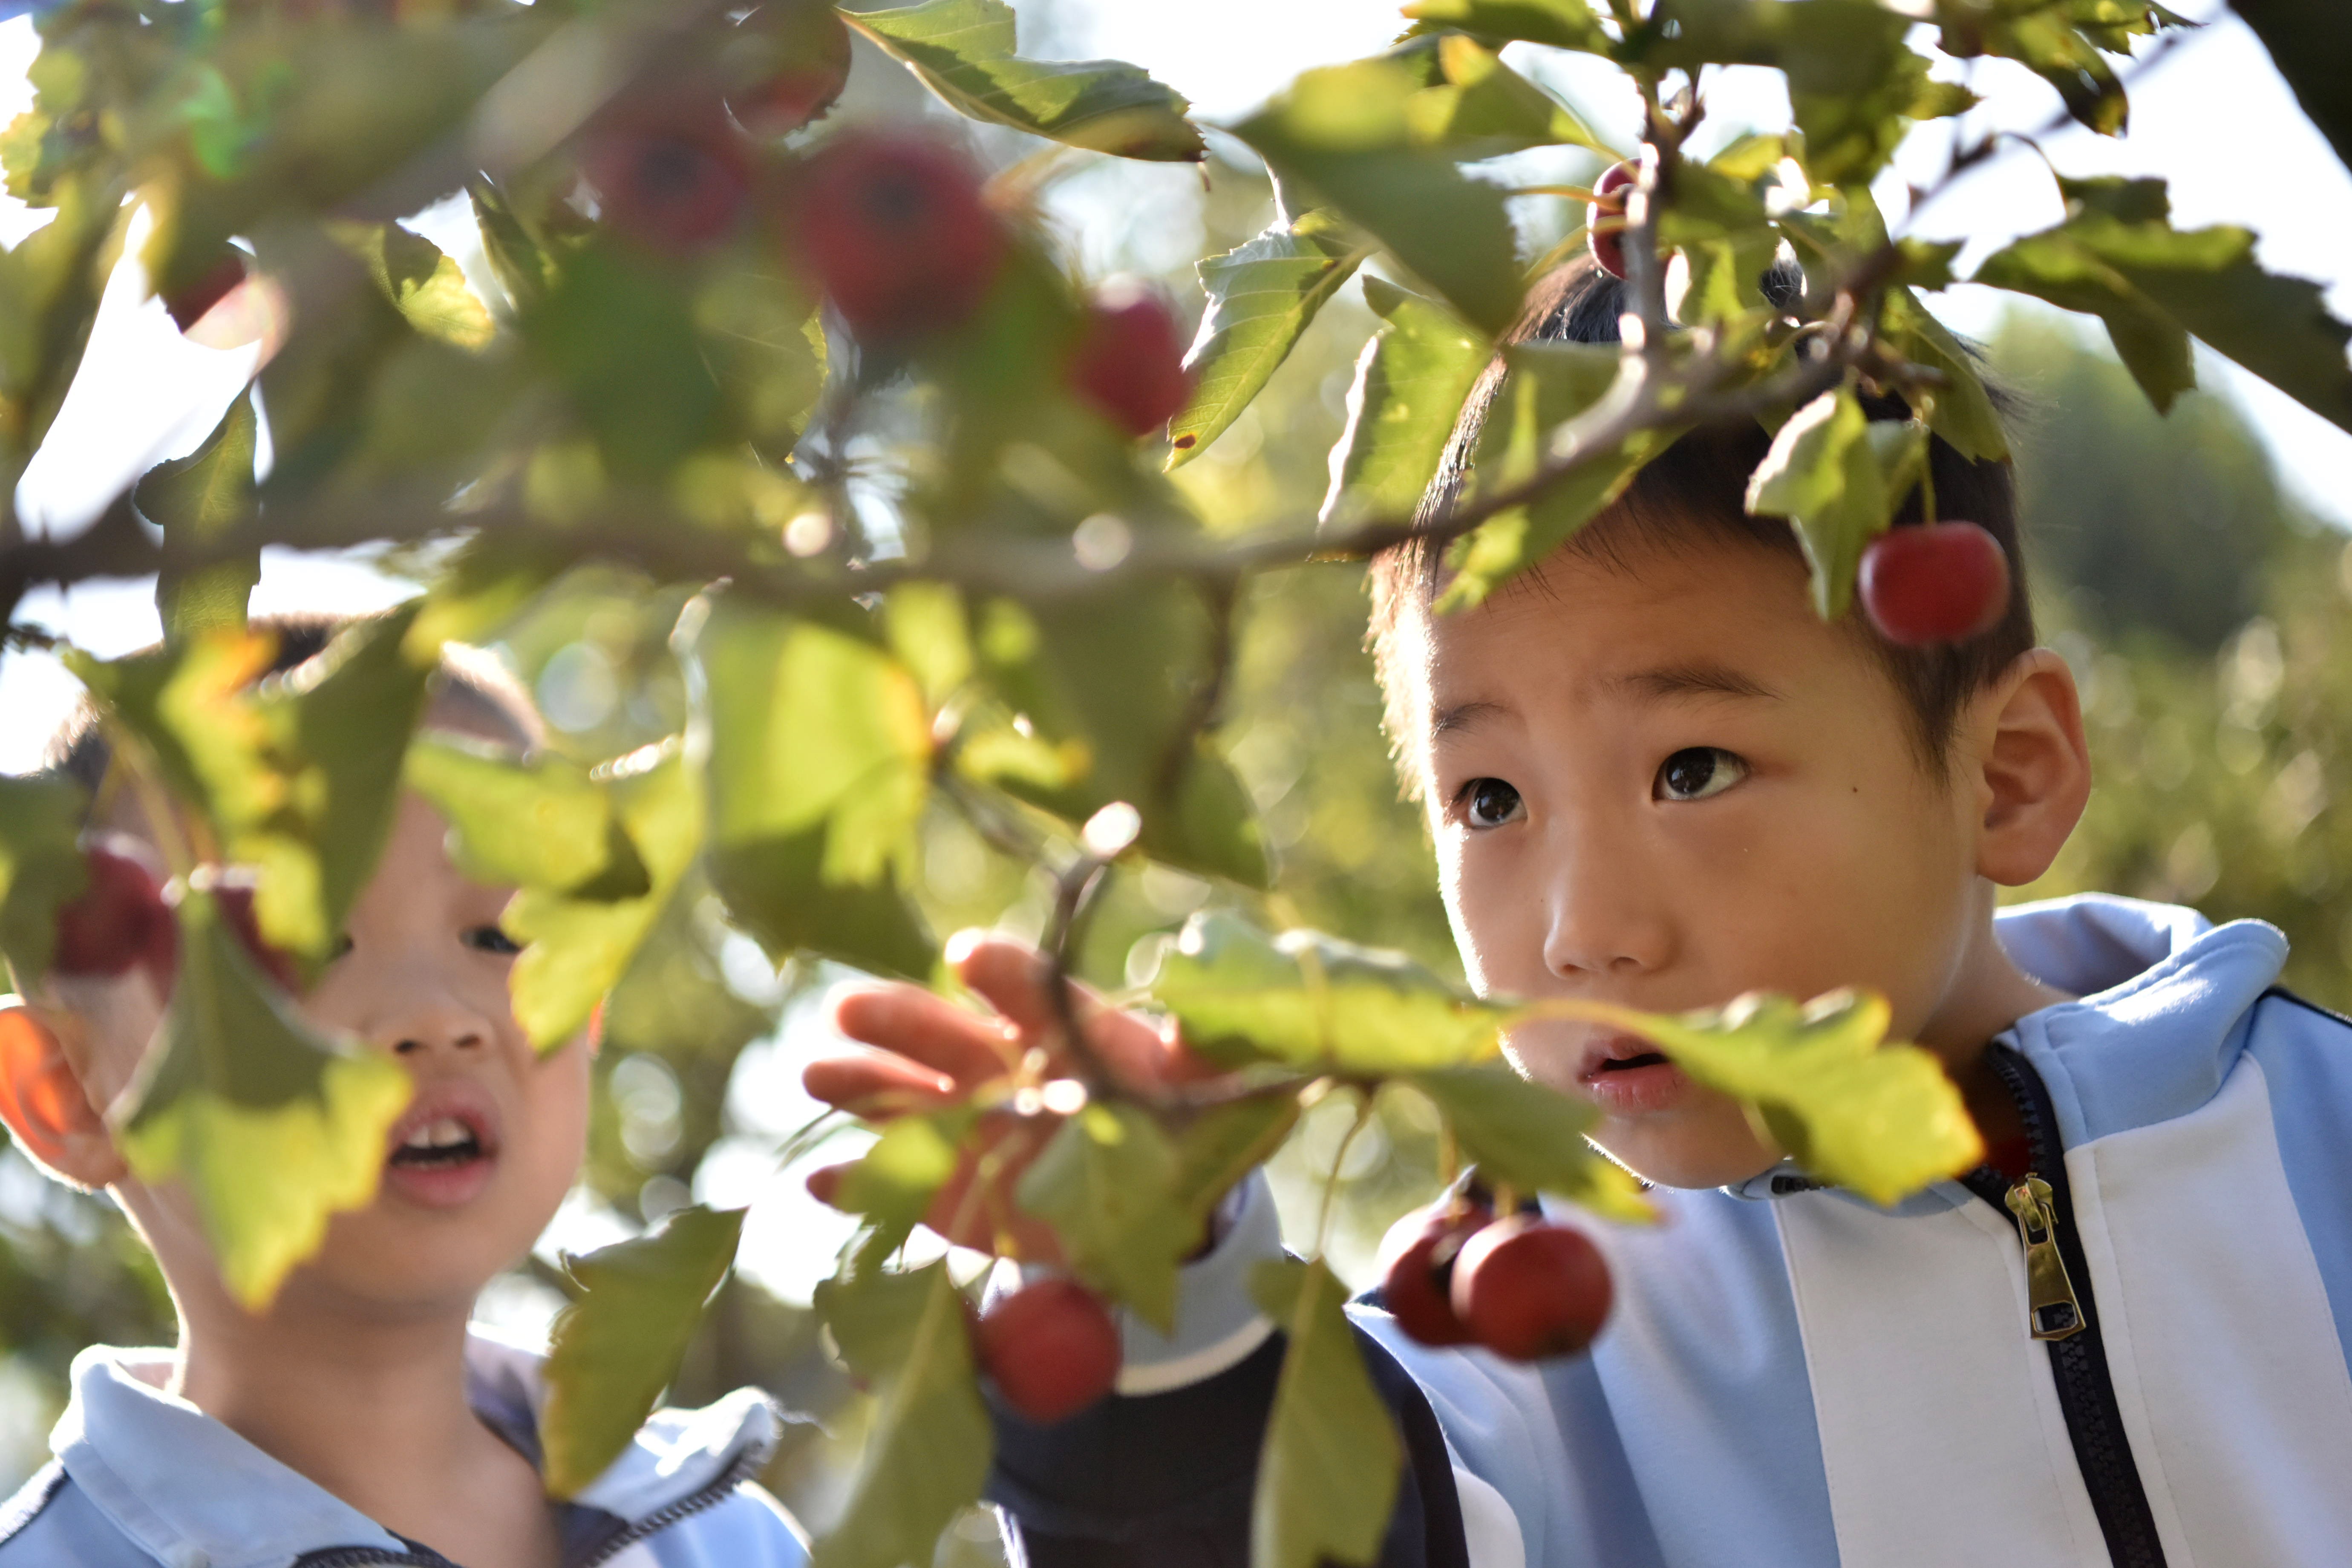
439,1145
1627,1076
444,1149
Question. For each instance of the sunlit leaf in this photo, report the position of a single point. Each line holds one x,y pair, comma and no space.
537,824
1531,1138
41,867
963,51
1107,1183
1411,381
1484,106
269,1129
1837,476
1222,1145
1326,1478
1562,24
928,1450
425,286
1309,1001
617,1347
1962,412
195,501
893,1183
1852,80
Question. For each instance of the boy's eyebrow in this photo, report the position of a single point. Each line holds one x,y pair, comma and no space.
1461,716
1692,680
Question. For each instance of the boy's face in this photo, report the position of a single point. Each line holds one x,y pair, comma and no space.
1663,781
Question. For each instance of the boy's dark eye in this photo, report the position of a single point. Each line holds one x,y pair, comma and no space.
489,939
1490,802
1695,773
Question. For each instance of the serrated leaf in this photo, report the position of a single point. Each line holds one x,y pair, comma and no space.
2046,41
928,1453
268,1128
1883,1120
196,499
41,867
543,823
1962,412
1837,476
617,1347
1851,80
577,945
1531,1138
1310,1000
1107,1183
1347,132
816,746
963,51
1261,299
1327,1476
1562,24
417,280
1411,381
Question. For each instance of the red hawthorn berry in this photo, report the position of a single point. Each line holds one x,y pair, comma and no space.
1608,246
1934,582
1417,1271
235,902
1527,1288
806,50
188,306
1051,1348
673,181
1130,361
893,228
120,920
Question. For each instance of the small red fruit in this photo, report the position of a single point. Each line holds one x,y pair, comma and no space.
803,49
1528,1288
893,228
1934,583
236,901
1130,363
1052,1349
189,305
120,920
1417,1275
675,181
1608,246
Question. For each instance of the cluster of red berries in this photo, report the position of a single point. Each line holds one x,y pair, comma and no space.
122,920
1052,1349
1522,1286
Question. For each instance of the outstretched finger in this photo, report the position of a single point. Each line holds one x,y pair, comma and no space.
1014,979
876,1086
913,1023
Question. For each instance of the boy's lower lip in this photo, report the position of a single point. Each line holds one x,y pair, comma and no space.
440,1186
1637,1090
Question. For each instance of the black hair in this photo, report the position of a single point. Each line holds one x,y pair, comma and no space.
1699,486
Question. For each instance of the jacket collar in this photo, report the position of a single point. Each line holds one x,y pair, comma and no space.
185,1488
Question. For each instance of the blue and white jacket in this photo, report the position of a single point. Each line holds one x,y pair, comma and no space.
143,1477
1794,1378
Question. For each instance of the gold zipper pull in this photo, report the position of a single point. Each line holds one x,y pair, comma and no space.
2054,1312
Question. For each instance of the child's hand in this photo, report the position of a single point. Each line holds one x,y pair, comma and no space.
929,1051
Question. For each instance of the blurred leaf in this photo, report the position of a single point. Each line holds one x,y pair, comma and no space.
1483,105
1852,81
268,1128
1107,1183
928,631
893,1183
195,500
1221,1146
1837,476
617,1347
1962,412
425,286
816,747
1347,132
2048,40
41,867
1882,1119
1326,1478
962,50
673,997
1411,382
1261,298
931,1445
1310,1000
764,340
1562,24
2308,40
537,824
621,337
1531,1138
517,260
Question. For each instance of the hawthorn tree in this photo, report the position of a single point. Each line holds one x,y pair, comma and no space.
898,481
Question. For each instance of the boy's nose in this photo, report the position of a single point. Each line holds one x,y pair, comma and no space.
428,1025
1604,921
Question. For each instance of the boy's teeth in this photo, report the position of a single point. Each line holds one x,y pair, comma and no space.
445,1133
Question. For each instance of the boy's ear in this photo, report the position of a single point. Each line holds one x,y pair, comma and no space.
43,1103
2035,768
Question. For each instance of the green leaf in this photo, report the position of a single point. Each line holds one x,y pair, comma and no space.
1347,132
1107,1183
1962,411
1562,24
1221,1146
195,500
1483,106
2308,41
620,337
764,340
962,50
1326,1478
928,1450
2047,40
578,945
1531,1138
618,1346
1261,299
1882,1119
1837,476
1852,80
1310,1000
1411,382
269,1129
41,867
894,1182
816,749
538,823
426,286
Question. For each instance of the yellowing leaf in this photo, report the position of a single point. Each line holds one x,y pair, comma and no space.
425,286
1411,382
1107,1183
1326,1478
1525,1136
618,1346
268,1128
541,824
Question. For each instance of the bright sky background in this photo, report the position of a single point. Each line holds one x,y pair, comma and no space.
2212,117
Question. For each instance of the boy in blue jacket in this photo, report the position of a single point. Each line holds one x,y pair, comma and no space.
357,1420
1654,777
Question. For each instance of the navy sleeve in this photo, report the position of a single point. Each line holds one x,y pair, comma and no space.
1164,1481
